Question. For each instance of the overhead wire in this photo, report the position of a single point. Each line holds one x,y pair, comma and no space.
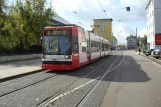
80,16
102,8
71,10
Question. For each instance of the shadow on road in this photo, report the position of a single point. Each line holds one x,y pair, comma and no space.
129,71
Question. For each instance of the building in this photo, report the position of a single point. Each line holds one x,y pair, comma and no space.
103,28
131,42
153,11
58,20
114,43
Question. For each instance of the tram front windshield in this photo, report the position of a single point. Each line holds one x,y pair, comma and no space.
57,42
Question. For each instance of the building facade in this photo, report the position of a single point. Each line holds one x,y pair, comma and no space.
153,11
131,42
114,43
58,20
103,28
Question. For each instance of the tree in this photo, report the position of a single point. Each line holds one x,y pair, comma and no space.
23,23
144,42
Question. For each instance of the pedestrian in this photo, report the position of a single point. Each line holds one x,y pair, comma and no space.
139,50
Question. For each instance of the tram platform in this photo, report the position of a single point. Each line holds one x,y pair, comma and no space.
12,73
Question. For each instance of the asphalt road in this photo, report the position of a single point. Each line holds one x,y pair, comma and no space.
137,83
120,80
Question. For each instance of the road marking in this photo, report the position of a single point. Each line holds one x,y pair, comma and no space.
89,94
83,85
71,91
119,63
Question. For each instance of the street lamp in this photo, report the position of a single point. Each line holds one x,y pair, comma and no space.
95,26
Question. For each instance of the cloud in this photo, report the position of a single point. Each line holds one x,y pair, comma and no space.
121,33
143,32
87,10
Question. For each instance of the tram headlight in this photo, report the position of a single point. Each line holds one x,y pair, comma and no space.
67,56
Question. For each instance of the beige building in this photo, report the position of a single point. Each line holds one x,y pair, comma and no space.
103,28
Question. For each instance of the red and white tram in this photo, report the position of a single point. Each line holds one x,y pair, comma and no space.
69,47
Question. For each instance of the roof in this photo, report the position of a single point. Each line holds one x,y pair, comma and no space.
148,4
109,19
60,20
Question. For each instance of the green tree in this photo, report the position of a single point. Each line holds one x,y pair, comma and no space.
23,23
144,42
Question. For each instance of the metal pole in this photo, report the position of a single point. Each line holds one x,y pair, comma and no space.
136,40
136,32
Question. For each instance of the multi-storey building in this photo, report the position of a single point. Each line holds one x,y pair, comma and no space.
131,42
114,43
103,28
153,10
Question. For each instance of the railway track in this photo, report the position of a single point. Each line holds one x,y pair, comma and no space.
10,85
77,77
49,102
23,87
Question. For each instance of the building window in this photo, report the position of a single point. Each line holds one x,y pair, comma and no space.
101,27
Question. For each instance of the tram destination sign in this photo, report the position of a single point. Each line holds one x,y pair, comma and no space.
57,32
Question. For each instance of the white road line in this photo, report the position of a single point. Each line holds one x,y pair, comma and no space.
95,69
89,94
83,85
119,63
75,89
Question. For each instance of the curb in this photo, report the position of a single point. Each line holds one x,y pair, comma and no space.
2,62
19,75
151,61
4,59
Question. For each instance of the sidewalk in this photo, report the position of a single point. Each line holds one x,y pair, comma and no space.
16,72
152,60
9,58
136,84
10,70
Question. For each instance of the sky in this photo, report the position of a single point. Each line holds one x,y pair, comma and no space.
124,23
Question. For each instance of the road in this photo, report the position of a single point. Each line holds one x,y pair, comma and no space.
121,80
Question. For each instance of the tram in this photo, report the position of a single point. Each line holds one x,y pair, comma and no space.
67,47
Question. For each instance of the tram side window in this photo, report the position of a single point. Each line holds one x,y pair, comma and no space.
92,46
95,45
98,46
75,46
106,46
88,45
84,49
101,46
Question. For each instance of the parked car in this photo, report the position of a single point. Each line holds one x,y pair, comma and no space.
151,51
148,52
157,52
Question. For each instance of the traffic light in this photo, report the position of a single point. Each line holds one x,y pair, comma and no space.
128,8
